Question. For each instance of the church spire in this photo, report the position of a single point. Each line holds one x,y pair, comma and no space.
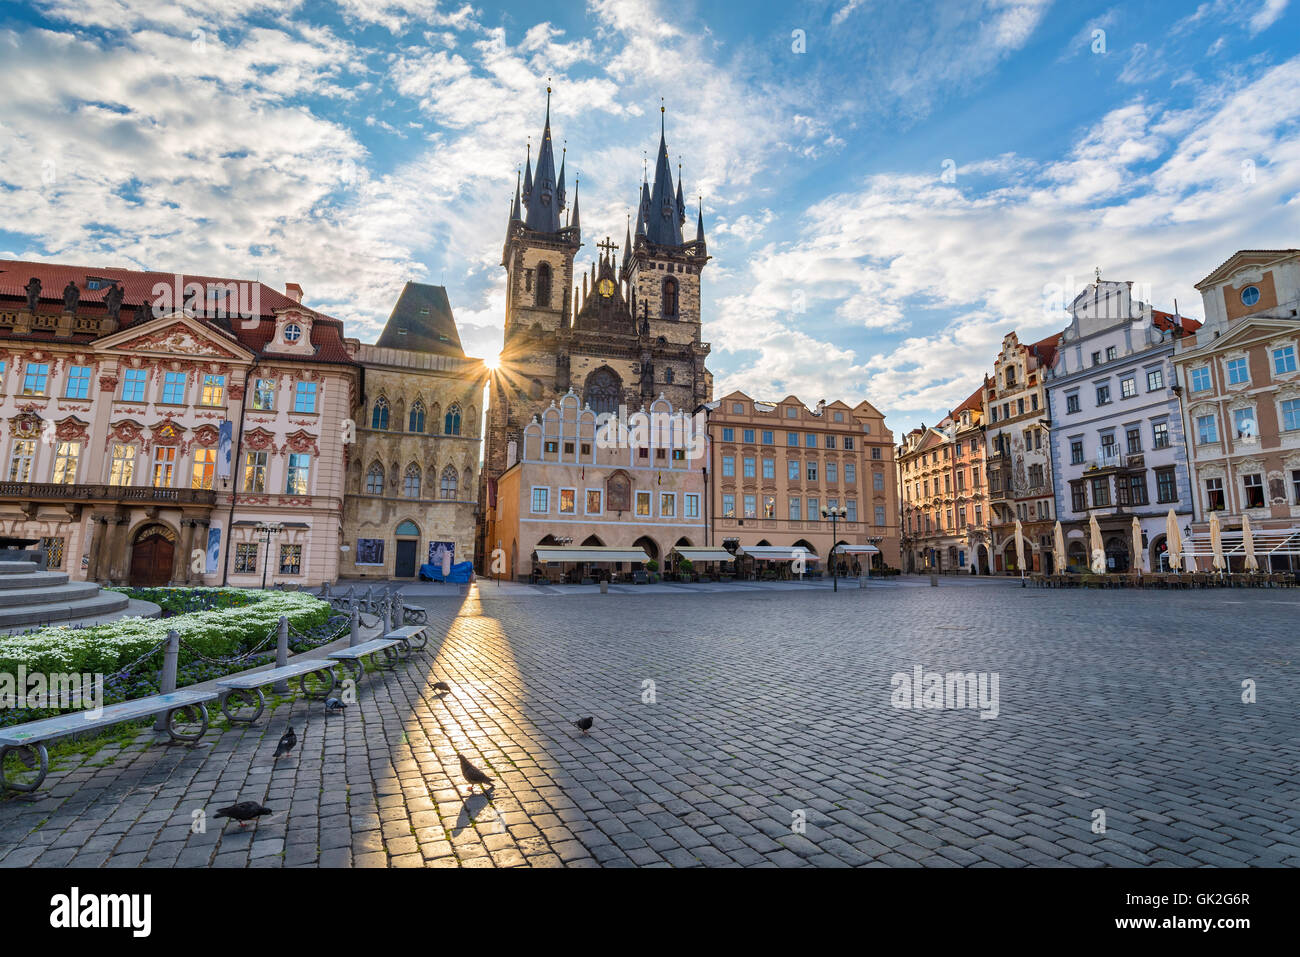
516,212
545,197
528,175
663,221
560,192
574,224
699,223
681,206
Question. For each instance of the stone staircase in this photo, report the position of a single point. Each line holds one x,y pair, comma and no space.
30,598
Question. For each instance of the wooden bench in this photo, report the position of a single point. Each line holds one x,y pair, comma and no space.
187,721
352,658
238,688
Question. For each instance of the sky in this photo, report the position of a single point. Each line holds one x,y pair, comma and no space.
888,188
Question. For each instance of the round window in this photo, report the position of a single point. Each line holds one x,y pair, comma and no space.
1250,295
292,333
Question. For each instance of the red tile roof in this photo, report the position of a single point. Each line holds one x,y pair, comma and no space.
1165,321
138,287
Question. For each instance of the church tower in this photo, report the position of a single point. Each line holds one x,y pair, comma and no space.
618,334
662,271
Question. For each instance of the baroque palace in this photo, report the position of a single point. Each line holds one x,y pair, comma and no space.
190,429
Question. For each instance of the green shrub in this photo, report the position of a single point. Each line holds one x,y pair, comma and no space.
238,620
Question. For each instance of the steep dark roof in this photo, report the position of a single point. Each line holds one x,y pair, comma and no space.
422,322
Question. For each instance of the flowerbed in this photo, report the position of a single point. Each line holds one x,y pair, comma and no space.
237,621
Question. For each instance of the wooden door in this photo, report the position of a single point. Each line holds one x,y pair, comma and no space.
151,560
405,566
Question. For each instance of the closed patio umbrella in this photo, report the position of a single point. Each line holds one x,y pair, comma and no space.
1095,546
1020,548
1139,554
1058,549
1216,542
1173,542
1248,544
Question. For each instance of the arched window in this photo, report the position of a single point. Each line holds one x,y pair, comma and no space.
379,418
668,376
451,425
417,417
411,483
602,391
543,284
447,488
670,297
375,480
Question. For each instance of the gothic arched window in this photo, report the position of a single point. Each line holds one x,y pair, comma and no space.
448,485
375,480
602,391
379,418
411,483
670,297
543,284
417,417
451,425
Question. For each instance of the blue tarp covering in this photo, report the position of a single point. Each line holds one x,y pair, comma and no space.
460,572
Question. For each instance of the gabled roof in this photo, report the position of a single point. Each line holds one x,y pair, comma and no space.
1045,349
1257,257
1165,321
422,321
974,402
138,288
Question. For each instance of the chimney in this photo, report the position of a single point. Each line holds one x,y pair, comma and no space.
293,291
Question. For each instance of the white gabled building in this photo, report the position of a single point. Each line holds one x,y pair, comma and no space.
1118,448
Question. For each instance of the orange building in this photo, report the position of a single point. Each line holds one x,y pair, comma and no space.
775,465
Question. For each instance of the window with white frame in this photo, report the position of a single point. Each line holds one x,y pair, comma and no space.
214,389
796,513
643,503
164,465
1155,380
1207,429
541,503
298,479
751,506
1290,414
1160,435
1200,379
205,468
692,504
78,383
1284,360
667,505
568,501
728,505
595,498
255,465
1238,371
264,395
1253,487
1243,423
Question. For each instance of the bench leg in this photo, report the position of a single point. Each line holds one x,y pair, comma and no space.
37,759
255,700
355,669
187,724
325,675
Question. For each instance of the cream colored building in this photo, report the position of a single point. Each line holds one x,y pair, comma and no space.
564,487
413,473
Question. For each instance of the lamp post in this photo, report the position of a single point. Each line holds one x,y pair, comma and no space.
268,530
834,513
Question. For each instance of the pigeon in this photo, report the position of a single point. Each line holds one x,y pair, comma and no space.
473,775
584,724
334,706
441,686
287,743
244,811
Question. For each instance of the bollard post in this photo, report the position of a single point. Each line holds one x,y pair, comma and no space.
934,580
282,654
171,655
604,587
354,626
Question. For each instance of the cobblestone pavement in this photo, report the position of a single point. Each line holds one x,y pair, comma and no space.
767,706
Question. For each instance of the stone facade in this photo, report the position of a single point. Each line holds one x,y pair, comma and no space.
413,473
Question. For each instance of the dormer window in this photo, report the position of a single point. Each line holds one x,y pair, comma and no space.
292,332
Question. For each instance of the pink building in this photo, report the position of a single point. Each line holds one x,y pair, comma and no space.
156,424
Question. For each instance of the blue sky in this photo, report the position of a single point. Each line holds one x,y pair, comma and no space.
888,188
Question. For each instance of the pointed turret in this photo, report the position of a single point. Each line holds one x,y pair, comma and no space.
528,176
516,211
699,223
663,223
681,206
544,199
574,223
559,191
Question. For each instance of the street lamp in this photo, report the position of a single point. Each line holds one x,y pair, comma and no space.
268,530
834,514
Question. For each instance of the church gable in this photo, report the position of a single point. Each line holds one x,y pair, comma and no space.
172,336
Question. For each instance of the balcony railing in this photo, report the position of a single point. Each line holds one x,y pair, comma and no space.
51,491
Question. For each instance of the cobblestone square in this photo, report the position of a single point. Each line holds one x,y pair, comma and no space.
768,706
